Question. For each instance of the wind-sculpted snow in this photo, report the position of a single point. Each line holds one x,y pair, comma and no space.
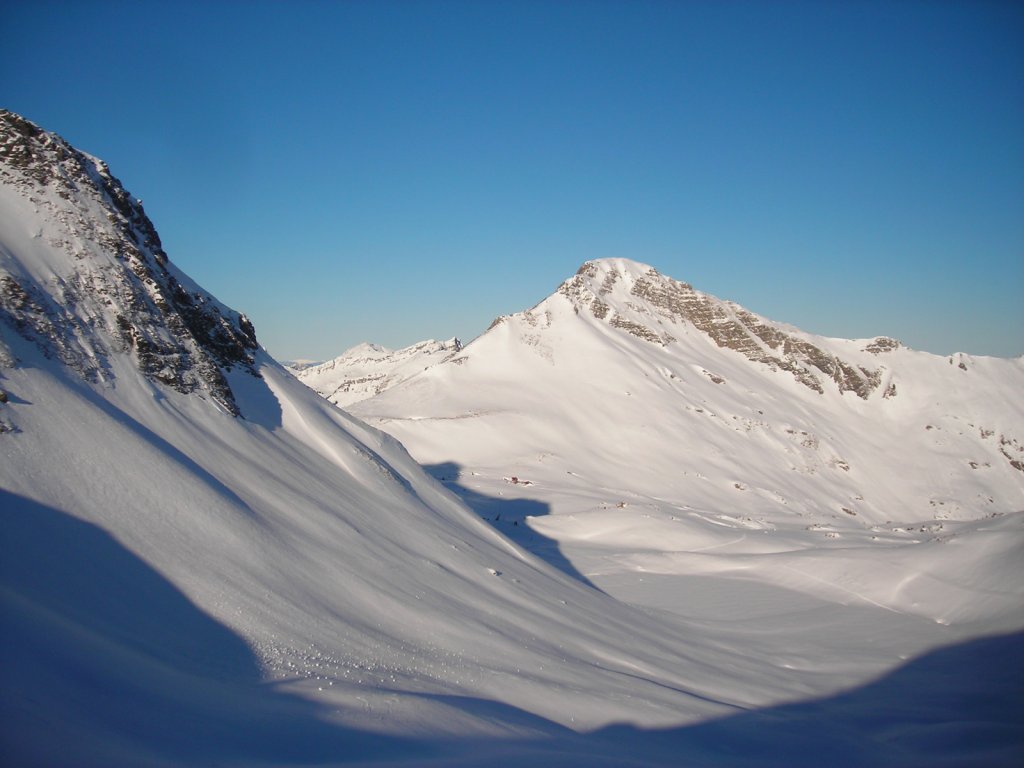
118,279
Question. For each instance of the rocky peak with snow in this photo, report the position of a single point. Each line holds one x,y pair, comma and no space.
624,372
638,300
98,282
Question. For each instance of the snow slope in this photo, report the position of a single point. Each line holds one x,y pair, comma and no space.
682,453
367,369
203,562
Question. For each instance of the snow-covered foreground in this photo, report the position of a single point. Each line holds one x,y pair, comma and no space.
205,563
181,587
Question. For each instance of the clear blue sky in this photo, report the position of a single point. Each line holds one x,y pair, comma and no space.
391,171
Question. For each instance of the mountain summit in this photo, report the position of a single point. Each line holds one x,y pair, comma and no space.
367,369
639,300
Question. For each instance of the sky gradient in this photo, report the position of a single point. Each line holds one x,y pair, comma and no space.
394,171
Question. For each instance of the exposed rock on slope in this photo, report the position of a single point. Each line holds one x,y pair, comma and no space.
121,283
727,324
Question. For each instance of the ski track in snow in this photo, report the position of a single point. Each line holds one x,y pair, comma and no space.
840,587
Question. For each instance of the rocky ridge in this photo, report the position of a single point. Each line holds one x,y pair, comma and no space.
653,298
122,283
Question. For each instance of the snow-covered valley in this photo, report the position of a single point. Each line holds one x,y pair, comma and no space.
635,542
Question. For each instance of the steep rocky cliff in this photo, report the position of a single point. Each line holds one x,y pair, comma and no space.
119,293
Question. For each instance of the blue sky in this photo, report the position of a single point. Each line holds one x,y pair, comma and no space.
393,171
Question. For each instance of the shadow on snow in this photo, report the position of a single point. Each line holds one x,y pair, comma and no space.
962,705
508,515
104,662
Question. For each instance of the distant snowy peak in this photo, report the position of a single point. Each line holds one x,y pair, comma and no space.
83,274
637,300
367,369
300,364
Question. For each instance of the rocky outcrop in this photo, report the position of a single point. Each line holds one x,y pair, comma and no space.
728,325
120,293
881,345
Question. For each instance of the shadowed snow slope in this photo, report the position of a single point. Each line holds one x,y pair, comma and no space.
204,562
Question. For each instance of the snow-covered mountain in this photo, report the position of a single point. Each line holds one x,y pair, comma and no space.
205,563
367,369
629,379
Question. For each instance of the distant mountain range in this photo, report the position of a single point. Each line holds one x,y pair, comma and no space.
368,369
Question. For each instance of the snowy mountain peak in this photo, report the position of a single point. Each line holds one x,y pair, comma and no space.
596,279
627,379
618,267
638,300
84,277
367,348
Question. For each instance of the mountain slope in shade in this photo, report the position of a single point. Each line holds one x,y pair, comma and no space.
368,369
205,563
